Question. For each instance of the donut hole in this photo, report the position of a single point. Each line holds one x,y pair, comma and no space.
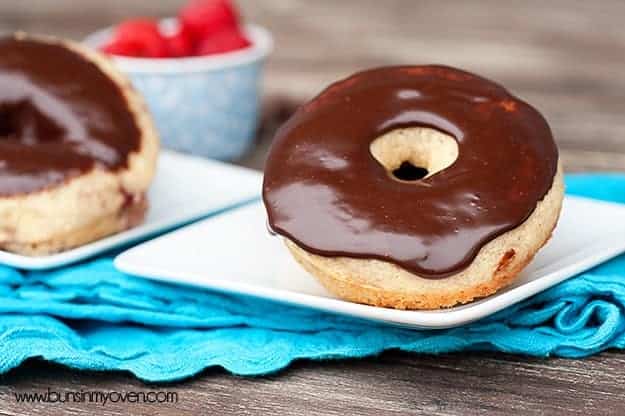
409,172
22,121
8,127
414,153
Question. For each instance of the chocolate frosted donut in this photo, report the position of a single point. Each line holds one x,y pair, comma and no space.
397,186
77,148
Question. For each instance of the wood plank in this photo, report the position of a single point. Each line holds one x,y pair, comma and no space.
394,383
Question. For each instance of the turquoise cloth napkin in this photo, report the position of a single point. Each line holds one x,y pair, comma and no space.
89,316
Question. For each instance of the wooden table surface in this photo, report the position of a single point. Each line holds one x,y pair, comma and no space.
565,57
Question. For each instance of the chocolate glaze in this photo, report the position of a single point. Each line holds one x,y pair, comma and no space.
324,190
60,116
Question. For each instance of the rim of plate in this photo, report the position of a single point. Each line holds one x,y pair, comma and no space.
262,46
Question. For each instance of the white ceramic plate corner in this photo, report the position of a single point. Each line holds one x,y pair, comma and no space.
185,188
233,252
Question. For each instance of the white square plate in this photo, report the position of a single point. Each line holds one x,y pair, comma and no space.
185,188
234,252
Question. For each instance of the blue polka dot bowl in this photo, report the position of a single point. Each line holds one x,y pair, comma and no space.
206,105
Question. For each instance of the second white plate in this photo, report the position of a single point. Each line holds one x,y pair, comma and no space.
234,252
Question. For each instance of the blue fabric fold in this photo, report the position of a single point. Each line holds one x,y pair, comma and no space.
90,316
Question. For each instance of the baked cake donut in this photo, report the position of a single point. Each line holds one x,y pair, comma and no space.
414,187
78,149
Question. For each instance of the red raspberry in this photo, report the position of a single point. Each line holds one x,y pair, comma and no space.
119,47
131,27
225,41
204,18
138,38
180,44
